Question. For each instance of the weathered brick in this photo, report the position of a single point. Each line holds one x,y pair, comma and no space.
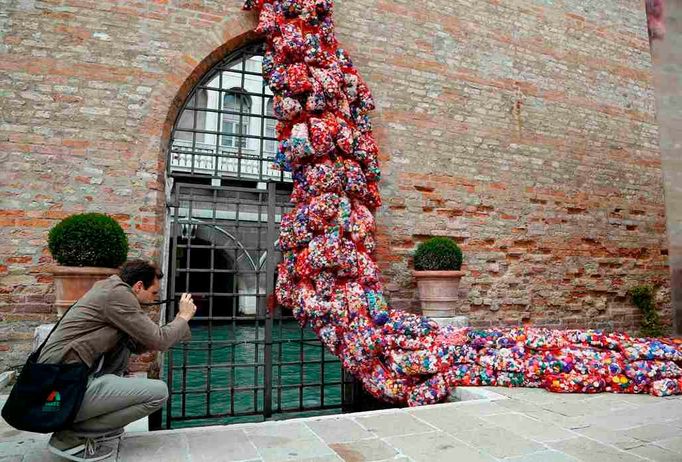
525,131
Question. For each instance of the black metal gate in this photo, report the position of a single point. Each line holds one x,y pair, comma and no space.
245,362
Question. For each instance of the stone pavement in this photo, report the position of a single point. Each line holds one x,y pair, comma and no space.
521,425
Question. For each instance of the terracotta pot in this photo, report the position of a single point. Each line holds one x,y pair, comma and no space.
439,292
72,282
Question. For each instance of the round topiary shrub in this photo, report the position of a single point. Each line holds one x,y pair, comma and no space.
88,239
438,254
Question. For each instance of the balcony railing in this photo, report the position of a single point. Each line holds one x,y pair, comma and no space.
202,159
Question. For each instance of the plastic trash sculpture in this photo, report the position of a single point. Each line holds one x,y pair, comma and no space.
331,282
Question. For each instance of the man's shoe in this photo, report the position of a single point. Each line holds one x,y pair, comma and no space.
112,435
91,451
66,442
101,437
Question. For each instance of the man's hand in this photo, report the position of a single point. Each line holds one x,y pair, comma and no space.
187,307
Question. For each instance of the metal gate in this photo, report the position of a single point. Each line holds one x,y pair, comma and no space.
245,362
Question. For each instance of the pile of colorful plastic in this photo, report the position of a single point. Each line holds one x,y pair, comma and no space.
331,282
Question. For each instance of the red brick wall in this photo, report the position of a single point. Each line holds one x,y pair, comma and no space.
88,92
524,130
667,71
527,132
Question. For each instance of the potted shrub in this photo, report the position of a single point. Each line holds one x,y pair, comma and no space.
88,247
437,264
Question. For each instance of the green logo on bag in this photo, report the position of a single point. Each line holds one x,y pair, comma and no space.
53,403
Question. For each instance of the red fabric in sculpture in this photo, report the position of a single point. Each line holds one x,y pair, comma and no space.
655,19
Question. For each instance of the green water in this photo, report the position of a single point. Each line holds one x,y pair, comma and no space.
234,367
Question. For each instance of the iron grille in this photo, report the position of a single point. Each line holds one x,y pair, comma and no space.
226,128
244,360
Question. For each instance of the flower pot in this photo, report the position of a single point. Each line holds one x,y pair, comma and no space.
438,292
72,282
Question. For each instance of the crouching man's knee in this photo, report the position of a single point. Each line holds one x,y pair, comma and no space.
158,394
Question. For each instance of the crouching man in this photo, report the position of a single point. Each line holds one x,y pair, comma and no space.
101,330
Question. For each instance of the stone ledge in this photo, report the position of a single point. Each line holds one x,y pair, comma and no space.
456,321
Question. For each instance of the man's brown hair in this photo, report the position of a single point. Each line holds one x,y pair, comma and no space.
140,270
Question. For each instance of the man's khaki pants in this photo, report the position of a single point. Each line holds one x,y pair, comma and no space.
112,402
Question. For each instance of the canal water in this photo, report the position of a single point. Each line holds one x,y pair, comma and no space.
223,384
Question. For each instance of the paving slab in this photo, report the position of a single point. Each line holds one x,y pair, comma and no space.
15,446
587,407
325,458
652,432
450,420
287,441
393,424
338,430
675,423
609,436
630,400
437,447
225,446
278,449
673,444
537,396
653,452
589,450
42,455
499,442
538,412
529,427
365,450
171,447
481,409
282,429
623,419
519,425
544,456
663,410
563,421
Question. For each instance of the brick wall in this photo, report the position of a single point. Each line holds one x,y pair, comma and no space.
527,132
667,71
524,129
88,92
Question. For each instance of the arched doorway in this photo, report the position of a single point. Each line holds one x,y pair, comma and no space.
225,130
244,360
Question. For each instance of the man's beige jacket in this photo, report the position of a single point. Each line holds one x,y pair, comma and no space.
103,318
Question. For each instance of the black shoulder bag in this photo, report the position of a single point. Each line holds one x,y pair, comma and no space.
46,397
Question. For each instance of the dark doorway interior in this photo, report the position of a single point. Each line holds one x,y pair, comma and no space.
194,275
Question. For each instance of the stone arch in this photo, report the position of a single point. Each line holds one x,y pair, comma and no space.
241,36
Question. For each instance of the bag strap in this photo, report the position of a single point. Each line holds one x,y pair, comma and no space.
40,348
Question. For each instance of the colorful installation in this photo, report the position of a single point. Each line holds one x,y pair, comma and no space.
331,282
655,19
